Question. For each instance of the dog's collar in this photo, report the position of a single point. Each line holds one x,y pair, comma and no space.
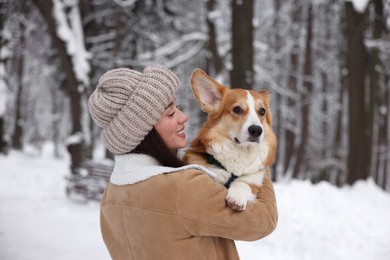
232,178
211,160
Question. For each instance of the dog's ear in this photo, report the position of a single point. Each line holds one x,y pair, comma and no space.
265,93
207,91
267,96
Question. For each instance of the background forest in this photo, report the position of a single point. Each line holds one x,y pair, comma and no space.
325,62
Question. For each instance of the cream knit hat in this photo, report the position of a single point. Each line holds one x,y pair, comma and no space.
127,104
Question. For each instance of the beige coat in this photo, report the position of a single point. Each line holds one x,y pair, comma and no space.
181,215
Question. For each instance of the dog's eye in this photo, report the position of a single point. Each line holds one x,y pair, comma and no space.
238,110
262,111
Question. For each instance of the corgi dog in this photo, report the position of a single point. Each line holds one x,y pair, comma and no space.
236,142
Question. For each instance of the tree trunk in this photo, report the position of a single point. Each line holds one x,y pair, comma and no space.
214,60
91,29
376,101
338,131
382,148
3,142
338,152
290,134
17,136
275,42
358,140
75,149
306,94
241,75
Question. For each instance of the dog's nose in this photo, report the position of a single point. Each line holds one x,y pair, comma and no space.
255,130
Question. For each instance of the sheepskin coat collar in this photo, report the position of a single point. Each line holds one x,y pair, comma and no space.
132,168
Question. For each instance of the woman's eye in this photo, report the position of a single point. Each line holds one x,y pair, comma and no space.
262,111
238,110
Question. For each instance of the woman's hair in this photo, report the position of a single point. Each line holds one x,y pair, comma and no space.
154,146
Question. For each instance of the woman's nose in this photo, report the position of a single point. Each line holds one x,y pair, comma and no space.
182,118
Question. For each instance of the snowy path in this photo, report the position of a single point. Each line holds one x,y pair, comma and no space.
37,221
319,222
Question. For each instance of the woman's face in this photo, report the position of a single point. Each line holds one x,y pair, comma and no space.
171,127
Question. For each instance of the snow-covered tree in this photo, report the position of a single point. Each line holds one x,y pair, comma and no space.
3,83
63,22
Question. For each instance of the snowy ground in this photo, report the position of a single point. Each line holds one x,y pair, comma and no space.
316,222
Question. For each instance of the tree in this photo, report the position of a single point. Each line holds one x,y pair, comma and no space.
19,60
3,83
214,60
306,93
275,40
379,99
358,167
74,63
241,75
291,133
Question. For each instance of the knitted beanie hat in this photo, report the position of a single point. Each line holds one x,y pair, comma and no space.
127,104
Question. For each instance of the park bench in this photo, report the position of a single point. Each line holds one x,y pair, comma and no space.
90,181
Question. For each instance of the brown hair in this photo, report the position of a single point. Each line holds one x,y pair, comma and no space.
154,146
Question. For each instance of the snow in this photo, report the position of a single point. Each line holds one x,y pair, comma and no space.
324,222
38,221
70,31
359,5
125,3
171,48
76,138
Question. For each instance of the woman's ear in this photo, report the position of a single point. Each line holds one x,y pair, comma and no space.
208,93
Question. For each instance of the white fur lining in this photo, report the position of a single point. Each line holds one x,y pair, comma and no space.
133,168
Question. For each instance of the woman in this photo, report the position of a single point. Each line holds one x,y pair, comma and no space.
155,207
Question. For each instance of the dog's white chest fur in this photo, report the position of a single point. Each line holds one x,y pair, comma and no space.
240,160
246,162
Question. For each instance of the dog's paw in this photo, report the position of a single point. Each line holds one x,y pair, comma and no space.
238,196
234,204
236,199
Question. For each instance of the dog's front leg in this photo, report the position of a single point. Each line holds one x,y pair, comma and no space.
238,195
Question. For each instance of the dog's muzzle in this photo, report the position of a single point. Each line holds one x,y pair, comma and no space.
254,133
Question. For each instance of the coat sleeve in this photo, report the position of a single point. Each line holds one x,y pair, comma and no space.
201,208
